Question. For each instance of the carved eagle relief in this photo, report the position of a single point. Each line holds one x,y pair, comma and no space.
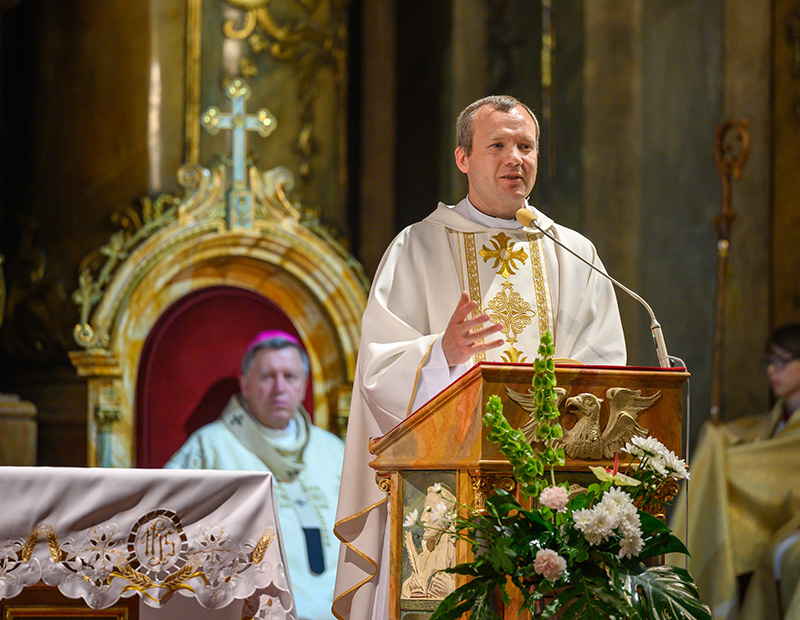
586,440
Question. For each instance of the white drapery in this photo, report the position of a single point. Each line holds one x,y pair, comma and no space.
99,534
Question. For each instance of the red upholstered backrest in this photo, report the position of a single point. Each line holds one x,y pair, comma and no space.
190,363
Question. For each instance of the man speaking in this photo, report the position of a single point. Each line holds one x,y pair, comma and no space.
468,283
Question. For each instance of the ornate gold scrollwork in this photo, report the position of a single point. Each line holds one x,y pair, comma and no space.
384,481
664,496
97,269
106,417
484,486
108,409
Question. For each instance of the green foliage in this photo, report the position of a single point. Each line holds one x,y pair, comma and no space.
664,593
529,466
599,578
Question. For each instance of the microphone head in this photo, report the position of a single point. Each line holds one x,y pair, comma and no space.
525,216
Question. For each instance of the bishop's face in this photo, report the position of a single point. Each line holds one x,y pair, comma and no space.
274,386
501,167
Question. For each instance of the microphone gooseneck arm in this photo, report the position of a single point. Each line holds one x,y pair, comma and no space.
528,219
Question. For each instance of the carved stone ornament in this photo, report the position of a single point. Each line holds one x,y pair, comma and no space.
586,439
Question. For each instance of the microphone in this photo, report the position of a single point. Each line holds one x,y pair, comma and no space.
527,218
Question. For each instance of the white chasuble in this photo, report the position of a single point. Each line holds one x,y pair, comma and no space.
505,274
306,485
523,281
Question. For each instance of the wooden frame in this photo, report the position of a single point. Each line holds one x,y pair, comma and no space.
41,601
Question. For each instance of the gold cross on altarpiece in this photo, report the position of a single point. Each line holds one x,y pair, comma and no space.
240,199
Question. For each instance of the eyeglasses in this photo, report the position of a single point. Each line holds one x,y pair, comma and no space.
777,362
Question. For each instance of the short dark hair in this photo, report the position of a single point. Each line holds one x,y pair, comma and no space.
278,342
787,338
501,103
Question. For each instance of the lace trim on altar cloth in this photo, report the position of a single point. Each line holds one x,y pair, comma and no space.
155,559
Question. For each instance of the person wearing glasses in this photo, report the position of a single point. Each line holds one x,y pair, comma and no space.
744,491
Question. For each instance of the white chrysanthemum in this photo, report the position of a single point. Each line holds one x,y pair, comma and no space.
607,516
615,513
657,465
582,519
585,521
411,518
437,487
676,466
630,449
645,446
597,524
631,545
440,516
630,524
616,498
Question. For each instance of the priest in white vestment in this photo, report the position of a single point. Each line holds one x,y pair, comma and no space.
467,284
266,428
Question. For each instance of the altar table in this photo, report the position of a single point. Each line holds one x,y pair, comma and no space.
105,534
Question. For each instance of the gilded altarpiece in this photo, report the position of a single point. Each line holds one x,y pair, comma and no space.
293,55
235,226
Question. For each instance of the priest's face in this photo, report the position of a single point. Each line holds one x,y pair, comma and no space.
501,166
274,386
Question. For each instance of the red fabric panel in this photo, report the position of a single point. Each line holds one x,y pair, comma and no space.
190,365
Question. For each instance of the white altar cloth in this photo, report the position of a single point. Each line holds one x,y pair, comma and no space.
99,534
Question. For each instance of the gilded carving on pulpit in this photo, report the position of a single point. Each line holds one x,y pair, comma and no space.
586,439
431,548
484,486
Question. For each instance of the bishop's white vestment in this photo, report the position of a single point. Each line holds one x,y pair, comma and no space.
305,494
522,280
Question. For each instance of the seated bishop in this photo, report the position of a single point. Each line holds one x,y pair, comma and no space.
266,428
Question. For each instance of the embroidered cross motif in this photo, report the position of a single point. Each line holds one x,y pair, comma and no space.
510,310
504,257
237,419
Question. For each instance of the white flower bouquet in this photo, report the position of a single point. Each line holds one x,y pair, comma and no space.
584,555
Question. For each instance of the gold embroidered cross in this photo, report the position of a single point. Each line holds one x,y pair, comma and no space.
509,309
503,256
